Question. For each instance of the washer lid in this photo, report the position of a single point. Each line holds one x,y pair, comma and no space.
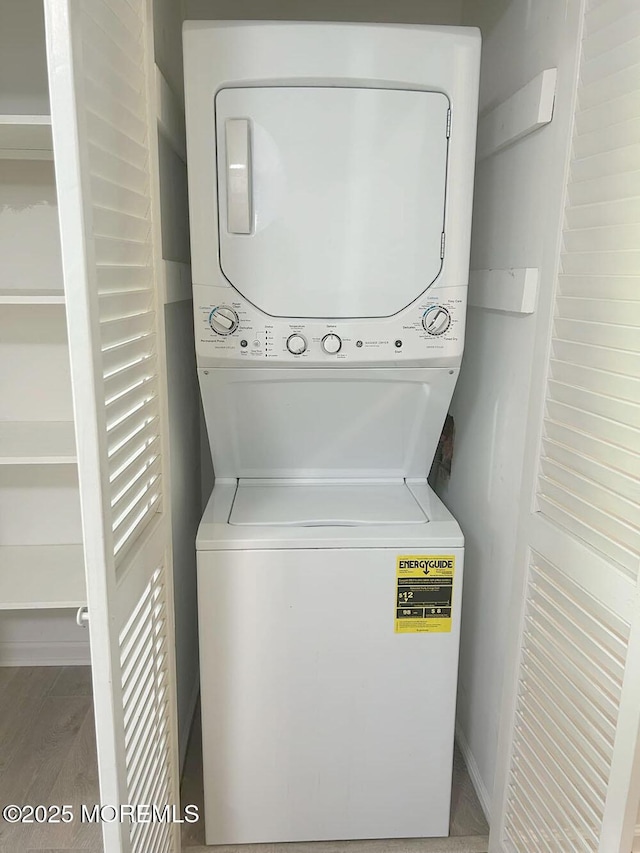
324,505
331,199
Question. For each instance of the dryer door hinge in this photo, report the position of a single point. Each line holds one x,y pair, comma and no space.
442,246
449,122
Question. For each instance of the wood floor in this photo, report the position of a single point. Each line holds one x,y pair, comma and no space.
48,755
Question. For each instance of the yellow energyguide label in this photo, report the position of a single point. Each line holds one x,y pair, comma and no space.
424,593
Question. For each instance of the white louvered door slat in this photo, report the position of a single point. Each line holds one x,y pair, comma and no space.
571,777
105,153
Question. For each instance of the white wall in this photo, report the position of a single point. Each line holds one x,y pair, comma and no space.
398,11
167,41
23,61
517,219
184,450
184,406
42,638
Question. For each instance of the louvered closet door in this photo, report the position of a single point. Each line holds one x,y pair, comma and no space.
572,778
105,157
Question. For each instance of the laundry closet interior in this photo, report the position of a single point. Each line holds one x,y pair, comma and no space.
105,463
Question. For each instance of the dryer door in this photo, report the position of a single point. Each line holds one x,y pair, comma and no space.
331,200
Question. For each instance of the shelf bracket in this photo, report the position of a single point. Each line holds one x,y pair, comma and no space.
513,290
528,109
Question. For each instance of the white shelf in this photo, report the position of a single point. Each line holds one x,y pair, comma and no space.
25,137
526,110
513,290
41,576
31,297
37,443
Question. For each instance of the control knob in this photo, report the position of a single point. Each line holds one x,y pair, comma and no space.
223,320
296,344
436,320
331,344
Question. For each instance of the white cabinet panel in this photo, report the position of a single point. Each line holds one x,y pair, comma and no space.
37,443
571,709
41,577
39,505
29,219
104,133
34,364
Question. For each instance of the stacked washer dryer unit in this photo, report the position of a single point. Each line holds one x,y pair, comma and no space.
330,181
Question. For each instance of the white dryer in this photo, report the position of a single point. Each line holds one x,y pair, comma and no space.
330,181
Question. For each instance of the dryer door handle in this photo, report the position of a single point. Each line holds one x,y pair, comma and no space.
238,142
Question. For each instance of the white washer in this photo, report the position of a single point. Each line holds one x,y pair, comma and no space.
319,721
330,180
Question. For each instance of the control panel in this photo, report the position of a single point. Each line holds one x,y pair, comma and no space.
231,332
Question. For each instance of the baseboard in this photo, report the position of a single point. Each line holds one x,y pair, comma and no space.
185,728
474,773
45,654
636,841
